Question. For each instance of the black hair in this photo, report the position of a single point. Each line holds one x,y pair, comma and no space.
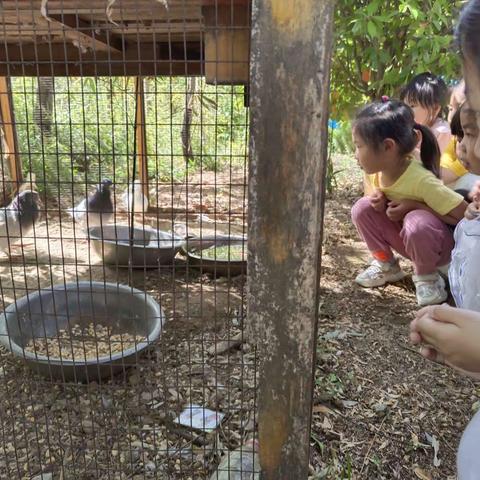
427,90
468,31
456,125
394,119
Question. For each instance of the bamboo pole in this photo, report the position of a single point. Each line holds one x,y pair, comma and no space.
141,136
8,125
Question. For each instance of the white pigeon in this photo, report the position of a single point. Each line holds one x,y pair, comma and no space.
18,218
138,201
97,209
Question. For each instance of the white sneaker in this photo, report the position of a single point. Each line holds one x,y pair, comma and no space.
380,273
430,289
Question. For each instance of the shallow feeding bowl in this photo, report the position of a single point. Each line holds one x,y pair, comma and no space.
81,331
221,255
149,248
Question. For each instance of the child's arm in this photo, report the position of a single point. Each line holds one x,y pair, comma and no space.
451,169
447,176
443,140
397,210
448,334
455,215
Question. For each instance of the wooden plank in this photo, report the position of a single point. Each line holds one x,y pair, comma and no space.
95,5
86,34
291,49
144,59
227,44
174,36
154,11
122,9
8,124
216,3
141,136
129,32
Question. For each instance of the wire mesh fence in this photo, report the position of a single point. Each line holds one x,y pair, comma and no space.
123,240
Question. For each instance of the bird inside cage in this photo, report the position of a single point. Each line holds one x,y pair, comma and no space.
97,209
18,219
137,201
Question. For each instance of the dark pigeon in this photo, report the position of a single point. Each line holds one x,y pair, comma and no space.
97,209
17,220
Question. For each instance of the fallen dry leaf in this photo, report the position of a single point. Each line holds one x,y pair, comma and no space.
436,447
422,474
327,424
322,409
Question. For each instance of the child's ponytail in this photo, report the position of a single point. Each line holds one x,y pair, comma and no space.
429,150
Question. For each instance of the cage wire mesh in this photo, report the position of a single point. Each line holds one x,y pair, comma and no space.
123,263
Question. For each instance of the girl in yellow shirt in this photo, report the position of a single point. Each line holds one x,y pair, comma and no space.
450,166
410,208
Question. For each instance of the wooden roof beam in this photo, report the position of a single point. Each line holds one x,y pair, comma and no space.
86,34
32,59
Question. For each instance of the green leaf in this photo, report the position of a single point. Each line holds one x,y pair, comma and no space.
372,29
372,8
414,13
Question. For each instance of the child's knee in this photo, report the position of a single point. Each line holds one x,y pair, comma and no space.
416,222
360,209
419,225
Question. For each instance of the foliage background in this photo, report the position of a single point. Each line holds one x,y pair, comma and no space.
92,133
191,126
381,44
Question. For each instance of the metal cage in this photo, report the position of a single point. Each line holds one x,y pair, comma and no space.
127,149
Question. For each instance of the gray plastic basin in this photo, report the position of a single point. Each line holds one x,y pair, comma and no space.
44,313
150,248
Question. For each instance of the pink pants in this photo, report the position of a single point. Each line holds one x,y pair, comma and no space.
421,237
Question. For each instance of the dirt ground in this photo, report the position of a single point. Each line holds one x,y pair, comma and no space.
380,410
123,427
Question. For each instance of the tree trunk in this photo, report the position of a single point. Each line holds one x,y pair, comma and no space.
44,107
187,119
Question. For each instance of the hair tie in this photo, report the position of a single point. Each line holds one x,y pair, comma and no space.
417,126
385,98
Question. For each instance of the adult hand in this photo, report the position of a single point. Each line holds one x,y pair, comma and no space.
378,201
450,335
396,210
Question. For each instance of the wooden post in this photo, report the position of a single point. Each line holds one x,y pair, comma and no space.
8,125
291,50
140,135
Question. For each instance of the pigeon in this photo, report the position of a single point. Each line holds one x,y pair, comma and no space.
96,209
18,218
138,200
